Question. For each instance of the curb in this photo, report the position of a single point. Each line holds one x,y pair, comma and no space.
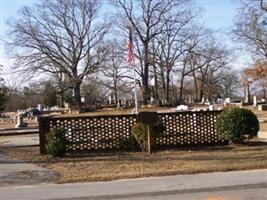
11,132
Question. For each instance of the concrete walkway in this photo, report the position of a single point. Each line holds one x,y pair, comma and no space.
19,140
18,172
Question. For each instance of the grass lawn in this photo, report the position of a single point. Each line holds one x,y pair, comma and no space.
110,166
263,126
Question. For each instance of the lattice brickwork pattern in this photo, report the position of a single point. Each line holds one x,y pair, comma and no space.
95,133
188,128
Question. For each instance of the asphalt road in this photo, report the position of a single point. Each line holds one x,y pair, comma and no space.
241,192
238,185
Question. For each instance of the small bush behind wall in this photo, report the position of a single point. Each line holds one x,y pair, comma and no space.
139,130
56,142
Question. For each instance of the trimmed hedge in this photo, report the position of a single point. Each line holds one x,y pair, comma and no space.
237,125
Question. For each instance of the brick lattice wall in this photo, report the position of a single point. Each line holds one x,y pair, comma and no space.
95,133
188,128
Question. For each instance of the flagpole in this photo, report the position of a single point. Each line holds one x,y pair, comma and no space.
135,90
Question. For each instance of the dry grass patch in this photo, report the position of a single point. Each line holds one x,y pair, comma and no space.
110,166
263,126
259,113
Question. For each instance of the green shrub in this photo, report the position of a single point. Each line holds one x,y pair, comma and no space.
56,143
128,143
237,125
139,130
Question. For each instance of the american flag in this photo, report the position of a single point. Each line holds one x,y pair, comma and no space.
130,48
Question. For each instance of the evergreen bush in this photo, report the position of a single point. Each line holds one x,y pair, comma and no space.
56,143
237,125
139,130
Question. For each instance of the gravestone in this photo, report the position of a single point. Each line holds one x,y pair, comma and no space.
262,107
254,101
40,107
211,107
20,122
119,104
190,100
182,108
227,101
13,118
241,104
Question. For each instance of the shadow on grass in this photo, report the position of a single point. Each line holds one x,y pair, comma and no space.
255,151
255,143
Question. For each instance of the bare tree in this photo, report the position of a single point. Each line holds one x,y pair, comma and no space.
3,91
189,63
264,5
58,36
205,61
146,18
63,86
257,74
171,44
230,82
116,70
95,88
251,29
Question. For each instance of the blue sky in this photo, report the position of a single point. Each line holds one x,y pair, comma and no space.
8,8
218,15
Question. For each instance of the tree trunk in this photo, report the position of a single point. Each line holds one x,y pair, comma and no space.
156,87
77,94
146,90
247,93
182,82
195,85
61,89
181,90
201,94
61,98
163,80
168,86
115,90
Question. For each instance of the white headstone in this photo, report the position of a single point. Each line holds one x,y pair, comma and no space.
20,122
227,100
83,99
211,107
182,107
151,99
119,103
254,101
40,107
